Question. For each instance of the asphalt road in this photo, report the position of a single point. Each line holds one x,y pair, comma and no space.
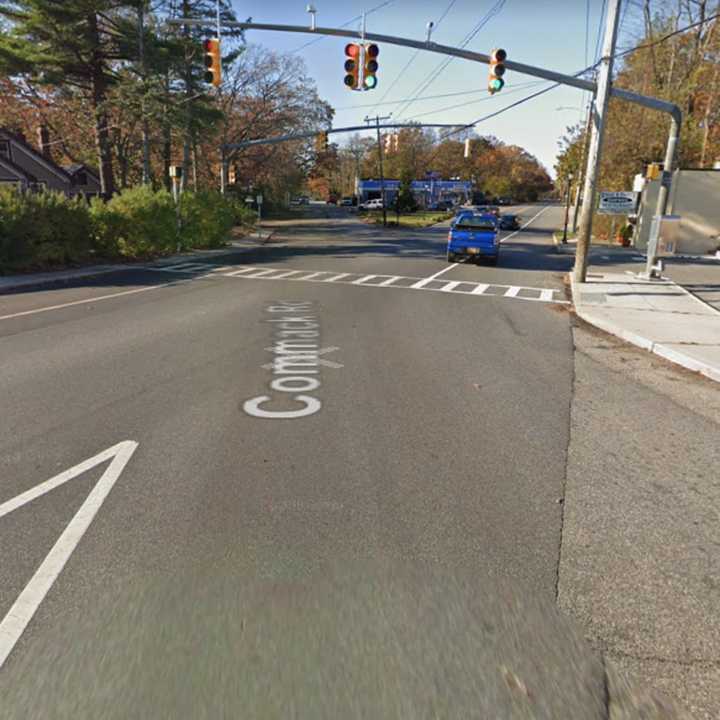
427,422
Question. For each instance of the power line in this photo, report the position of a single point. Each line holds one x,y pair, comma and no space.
415,54
472,102
424,85
527,83
668,36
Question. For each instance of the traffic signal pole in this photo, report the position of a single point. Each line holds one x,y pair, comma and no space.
596,139
533,71
380,162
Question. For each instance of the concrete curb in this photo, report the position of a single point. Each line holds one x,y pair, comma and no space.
664,351
40,279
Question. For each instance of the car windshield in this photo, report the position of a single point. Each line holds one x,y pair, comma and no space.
475,223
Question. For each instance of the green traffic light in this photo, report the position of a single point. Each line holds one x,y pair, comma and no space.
370,82
496,84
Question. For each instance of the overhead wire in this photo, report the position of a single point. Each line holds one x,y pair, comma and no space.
415,54
425,84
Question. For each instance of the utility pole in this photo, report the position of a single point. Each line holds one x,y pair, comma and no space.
583,151
143,72
567,206
596,140
377,119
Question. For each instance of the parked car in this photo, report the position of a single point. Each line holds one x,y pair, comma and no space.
375,204
488,210
473,236
509,222
347,202
302,200
505,200
440,205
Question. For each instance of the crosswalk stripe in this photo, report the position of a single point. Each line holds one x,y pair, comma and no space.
287,273
262,273
312,275
325,276
339,276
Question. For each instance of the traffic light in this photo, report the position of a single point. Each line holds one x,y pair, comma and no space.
466,152
653,171
388,143
213,62
371,66
497,70
321,142
352,66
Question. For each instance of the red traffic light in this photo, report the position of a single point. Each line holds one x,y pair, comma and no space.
352,50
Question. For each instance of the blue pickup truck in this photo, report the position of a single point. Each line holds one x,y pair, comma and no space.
474,237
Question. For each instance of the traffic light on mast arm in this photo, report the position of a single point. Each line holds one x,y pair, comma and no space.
497,70
352,66
321,142
371,66
213,61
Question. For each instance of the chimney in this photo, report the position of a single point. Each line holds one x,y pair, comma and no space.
43,136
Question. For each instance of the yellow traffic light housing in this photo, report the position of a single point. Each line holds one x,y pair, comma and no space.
352,66
213,61
371,66
321,142
497,70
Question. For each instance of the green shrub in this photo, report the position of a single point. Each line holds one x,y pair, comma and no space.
137,223
207,219
42,229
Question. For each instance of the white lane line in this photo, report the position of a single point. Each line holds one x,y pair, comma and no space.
21,613
546,295
522,227
224,268
480,289
512,292
389,281
449,287
363,279
339,276
241,271
84,302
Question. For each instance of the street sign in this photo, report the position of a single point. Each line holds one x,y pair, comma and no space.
258,199
617,203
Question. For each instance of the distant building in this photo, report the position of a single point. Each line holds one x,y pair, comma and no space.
34,170
425,191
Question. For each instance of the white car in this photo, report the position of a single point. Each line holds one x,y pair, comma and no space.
375,204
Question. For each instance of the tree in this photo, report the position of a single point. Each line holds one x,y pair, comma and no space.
73,44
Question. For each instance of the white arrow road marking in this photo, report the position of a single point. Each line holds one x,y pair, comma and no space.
20,614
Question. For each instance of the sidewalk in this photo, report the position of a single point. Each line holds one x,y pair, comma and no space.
11,282
660,315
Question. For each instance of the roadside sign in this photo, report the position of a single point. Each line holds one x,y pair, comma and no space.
617,203
258,199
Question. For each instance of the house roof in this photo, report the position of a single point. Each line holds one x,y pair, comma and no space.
74,168
39,157
20,172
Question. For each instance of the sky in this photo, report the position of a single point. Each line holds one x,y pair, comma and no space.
545,33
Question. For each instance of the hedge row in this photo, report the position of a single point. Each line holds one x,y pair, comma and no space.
49,229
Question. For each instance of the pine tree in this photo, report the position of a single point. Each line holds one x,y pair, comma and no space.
71,44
